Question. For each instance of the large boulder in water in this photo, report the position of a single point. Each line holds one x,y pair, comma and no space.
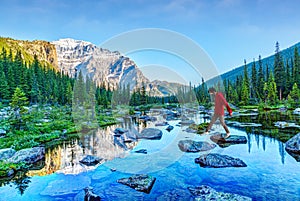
140,182
207,193
194,146
150,133
90,160
231,140
29,156
292,146
219,161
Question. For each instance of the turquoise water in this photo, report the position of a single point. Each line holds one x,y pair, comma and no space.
271,173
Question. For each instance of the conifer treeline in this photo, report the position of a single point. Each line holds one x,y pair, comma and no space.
41,84
266,85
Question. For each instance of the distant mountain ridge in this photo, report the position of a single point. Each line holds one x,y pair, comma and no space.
231,75
104,66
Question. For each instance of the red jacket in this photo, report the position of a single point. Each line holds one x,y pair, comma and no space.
220,102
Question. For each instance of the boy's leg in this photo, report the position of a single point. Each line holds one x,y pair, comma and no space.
224,125
212,121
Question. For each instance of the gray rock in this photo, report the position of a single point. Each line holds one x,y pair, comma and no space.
130,135
162,123
176,194
90,195
187,122
194,146
190,130
219,161
141,182
169,128
6,153
29,156
207,193
10,172
150,133
231,140
119,131
284,124
242,125
297,111
147,118
90,160
142,151
292,146
2,131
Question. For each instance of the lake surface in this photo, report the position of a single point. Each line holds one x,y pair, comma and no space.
271,173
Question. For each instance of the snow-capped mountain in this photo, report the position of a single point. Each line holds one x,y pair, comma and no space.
102,65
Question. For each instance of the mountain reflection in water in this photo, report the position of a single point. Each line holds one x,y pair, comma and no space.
65,158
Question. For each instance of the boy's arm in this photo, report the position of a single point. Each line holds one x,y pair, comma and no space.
226,104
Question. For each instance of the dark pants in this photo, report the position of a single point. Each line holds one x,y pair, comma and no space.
214,118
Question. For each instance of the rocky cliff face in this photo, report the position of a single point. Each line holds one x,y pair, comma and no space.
45,51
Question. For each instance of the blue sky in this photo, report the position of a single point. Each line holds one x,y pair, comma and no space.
229,31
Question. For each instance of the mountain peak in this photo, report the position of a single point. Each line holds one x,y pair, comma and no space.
71,43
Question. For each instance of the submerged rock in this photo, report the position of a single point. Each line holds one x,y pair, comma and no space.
6,153
141,151
292,146
194,146
66,185
90,160
29,156
231,140
150,133
207,193
140,182
164,123
219,161
90,195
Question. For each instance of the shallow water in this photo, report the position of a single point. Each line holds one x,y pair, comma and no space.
271,173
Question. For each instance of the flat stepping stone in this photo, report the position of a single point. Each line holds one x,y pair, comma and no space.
150,133
194,146
207,193
214,160
90,160
140,182
226,142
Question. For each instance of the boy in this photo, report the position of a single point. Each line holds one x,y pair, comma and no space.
220,102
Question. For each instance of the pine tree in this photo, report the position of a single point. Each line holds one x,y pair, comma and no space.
296,68
18,103
295,93
279,72
261,79
4,88
254,88
267,73
272,90
289,80
245,93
